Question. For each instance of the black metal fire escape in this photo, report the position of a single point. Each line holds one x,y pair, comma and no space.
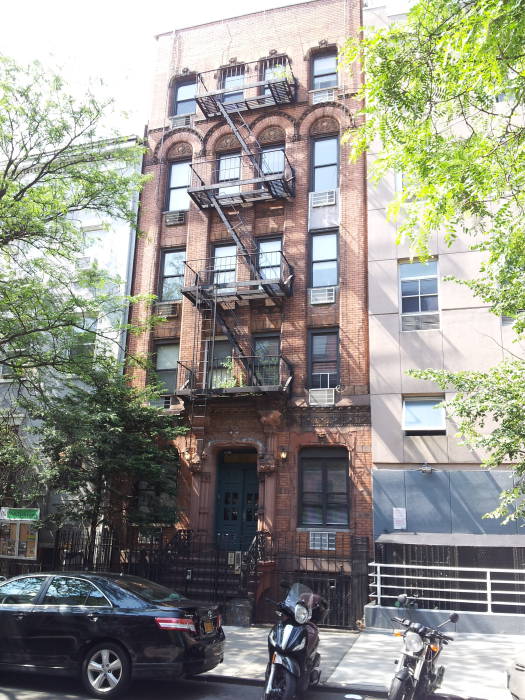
215,302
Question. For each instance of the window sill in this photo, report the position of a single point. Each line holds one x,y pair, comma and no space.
324,528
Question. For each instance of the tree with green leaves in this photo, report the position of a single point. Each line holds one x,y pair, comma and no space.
108,449
444,94
57,163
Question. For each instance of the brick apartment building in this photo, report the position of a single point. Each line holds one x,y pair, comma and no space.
254,241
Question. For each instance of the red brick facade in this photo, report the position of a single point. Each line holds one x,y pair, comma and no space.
269,424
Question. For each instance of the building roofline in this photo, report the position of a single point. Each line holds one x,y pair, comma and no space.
226,19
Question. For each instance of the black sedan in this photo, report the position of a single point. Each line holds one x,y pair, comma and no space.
108,628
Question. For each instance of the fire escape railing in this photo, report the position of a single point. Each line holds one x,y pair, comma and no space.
243,180
263,274
241,87
236,374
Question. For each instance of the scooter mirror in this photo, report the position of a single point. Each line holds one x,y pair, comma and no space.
454,617
402,599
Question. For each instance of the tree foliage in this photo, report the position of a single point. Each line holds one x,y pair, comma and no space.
444,92
444,95
56,164
100,439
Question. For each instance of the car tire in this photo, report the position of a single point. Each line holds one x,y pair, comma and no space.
106,670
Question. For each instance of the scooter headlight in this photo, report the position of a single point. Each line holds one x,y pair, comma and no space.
413,643
302,614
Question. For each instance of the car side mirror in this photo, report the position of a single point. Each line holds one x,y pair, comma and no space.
454,617
402,599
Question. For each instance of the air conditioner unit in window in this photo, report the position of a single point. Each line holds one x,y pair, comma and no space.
175,218
181,121
322,540
322,295
323,199
169,309
323,95
321,397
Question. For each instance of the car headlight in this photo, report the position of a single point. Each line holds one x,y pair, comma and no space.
413,643
302,614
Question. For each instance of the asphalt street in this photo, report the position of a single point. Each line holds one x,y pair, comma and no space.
23,687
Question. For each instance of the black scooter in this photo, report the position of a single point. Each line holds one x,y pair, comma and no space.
292,645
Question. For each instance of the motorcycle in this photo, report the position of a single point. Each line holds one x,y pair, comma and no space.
417,674
294,662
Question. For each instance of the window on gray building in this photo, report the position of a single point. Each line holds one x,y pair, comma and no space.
423,415
419,295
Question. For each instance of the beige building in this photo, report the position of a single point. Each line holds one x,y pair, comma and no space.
429,491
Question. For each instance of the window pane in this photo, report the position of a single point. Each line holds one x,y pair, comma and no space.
428,286
410,305
186,107
324,274
312,480
233,81
272,160
24,590
325,152
171,287
429,303
179,200
277,71
324,247
410,288
68,591
180,174
418,269
174,263
324,346
312,515
336,514
267,347
168,381
229,167
325,178
325,64
336,480
167,356
422,413
325,81
186,91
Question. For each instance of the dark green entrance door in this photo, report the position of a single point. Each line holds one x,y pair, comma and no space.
237,497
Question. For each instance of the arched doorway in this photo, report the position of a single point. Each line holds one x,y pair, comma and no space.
237,498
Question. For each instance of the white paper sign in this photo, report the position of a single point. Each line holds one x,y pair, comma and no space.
400,518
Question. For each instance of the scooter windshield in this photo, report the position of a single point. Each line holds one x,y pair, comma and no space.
299,592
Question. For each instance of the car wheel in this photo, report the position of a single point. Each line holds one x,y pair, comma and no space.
106,670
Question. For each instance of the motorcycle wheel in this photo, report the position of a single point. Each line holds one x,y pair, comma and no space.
284,685
399,690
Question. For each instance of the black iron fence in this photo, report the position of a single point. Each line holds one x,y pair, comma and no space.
214,570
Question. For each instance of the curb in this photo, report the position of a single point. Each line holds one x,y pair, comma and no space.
323,687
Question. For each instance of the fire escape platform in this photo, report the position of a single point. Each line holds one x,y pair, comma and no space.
238,291
244,191
236,391
246,87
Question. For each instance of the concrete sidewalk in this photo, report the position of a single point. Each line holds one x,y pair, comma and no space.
362,662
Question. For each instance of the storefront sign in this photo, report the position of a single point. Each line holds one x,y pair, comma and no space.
19,513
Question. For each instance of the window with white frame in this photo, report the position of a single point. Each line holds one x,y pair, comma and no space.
418,283
424,415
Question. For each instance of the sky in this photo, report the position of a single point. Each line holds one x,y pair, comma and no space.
108,40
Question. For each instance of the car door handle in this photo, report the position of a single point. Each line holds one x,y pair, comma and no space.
20,616
92,617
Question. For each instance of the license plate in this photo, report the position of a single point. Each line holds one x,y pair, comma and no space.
208,626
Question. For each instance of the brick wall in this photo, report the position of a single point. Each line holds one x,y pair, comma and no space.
267,424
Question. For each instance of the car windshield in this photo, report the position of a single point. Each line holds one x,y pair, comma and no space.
148,590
